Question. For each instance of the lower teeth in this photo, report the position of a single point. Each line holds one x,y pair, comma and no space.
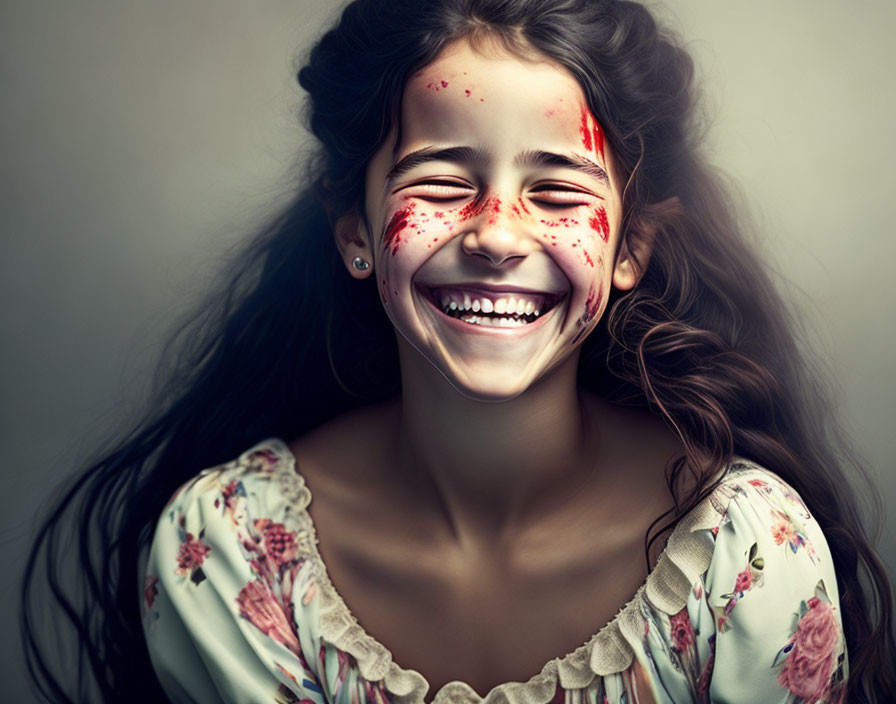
493,322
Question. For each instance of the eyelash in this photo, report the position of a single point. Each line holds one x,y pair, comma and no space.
574,196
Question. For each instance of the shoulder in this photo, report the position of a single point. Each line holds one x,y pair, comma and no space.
771,590
229,563
761,615
264,475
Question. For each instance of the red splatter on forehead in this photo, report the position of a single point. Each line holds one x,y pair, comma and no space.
592,133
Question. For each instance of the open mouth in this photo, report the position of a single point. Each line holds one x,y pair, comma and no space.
498,309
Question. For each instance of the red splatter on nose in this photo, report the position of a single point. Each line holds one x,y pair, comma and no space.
476,207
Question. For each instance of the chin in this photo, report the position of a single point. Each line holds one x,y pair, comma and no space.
488,387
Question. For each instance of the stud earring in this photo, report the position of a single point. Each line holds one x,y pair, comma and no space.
360,264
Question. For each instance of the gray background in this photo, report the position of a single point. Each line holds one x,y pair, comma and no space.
140,140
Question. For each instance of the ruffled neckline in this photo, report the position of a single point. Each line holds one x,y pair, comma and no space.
611,649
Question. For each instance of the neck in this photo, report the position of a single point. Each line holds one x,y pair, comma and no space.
491,467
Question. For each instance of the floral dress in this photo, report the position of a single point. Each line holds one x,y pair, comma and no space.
742,606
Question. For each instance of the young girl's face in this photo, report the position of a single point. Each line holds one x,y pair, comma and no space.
496,223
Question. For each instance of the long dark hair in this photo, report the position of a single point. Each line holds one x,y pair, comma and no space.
704,340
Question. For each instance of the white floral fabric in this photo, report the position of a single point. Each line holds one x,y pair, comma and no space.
237,606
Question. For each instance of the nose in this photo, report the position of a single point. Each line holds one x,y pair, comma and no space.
496,232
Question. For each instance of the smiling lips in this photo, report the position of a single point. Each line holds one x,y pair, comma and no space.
491,308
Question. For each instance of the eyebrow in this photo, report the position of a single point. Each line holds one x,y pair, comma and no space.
471,155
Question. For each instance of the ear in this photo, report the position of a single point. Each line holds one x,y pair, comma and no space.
351,240
637,244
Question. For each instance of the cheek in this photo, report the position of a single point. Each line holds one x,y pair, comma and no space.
412,231
415,227
593,304
582,239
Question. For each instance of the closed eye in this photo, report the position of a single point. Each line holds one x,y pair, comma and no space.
441,190
556,196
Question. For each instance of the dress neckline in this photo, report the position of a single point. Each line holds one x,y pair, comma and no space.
686,555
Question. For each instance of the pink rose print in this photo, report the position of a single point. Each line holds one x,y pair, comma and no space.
150,590
751,577
259,606
279,544
263,460
744,581
682,631
191,556
810,662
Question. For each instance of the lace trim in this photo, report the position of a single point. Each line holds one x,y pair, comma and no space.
686,556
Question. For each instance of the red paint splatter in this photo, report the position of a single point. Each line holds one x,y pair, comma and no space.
599,140
514,209
467,91
523,205
588,257
392,235
600,224
592,306
593,137
444,84
474,208
583,128
438,214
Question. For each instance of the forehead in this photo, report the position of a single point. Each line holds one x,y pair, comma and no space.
490,98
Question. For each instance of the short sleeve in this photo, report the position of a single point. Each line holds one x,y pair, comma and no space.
221,580
771,601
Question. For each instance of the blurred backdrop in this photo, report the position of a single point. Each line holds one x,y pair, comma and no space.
141,140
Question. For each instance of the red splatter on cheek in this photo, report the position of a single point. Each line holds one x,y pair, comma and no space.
592,307
600,224
392,237
444,84
523,206
467,92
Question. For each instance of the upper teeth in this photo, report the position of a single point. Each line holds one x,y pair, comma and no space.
517,304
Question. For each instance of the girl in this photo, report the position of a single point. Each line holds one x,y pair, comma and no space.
559,439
